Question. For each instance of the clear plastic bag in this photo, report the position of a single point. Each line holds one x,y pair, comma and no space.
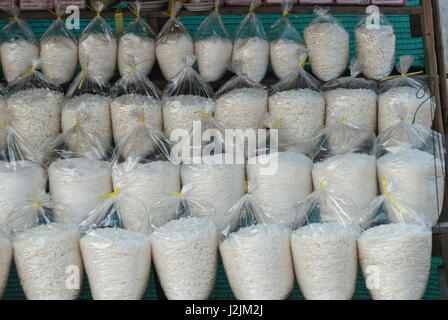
256,257
117,261
6,256
34,104
375,44
85,119
173,45
328,45
298,101
138,42
354,97
59,50
413,97
250,45
136,113
286,46
98,46
19,46
213,46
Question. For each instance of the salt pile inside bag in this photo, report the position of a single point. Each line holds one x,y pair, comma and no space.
185,254
6,254
328,45
417,180
86,115
325,260
298,101
76,184
286,46
355,98
117,261
173,45
257,257
215,182
59,50
400,254
98,46
137,41
185,98
19,46
250,45
280,179
375,44
213,46
412,96
136,112
34,104
45,251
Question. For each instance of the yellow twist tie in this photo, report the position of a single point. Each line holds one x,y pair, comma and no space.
82,77
28,71
217,7
3,126
203,114
402,75
109,195
303,63
143,117
277,123
252,9
54,13
405,119
180,194
395,203
246,189
134,12
36,203
76,125
285,13
135,66
322,183
342,120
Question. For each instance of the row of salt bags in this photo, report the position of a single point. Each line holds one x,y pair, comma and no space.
250,45
350,179
280,180
257,257
396,260
137,41
135,101
328,45
34,105
87,107
117,261
185,98
19,47
142,185
355,98
417,180
213,46
98,46
6,255
411,95
185,254
375,44
298,101
286,46
325,260
59,50
46,254
217,183
173,45
76,184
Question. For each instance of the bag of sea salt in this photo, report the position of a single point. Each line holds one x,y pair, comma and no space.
117,261
250,45
98,46
185,249
405,90
136,112
59,50
173,44
286,46
85,119
299,102
256,256
6,256
375,44
354,97
138,42
213,46
19,46
34,104
328,45
44,251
